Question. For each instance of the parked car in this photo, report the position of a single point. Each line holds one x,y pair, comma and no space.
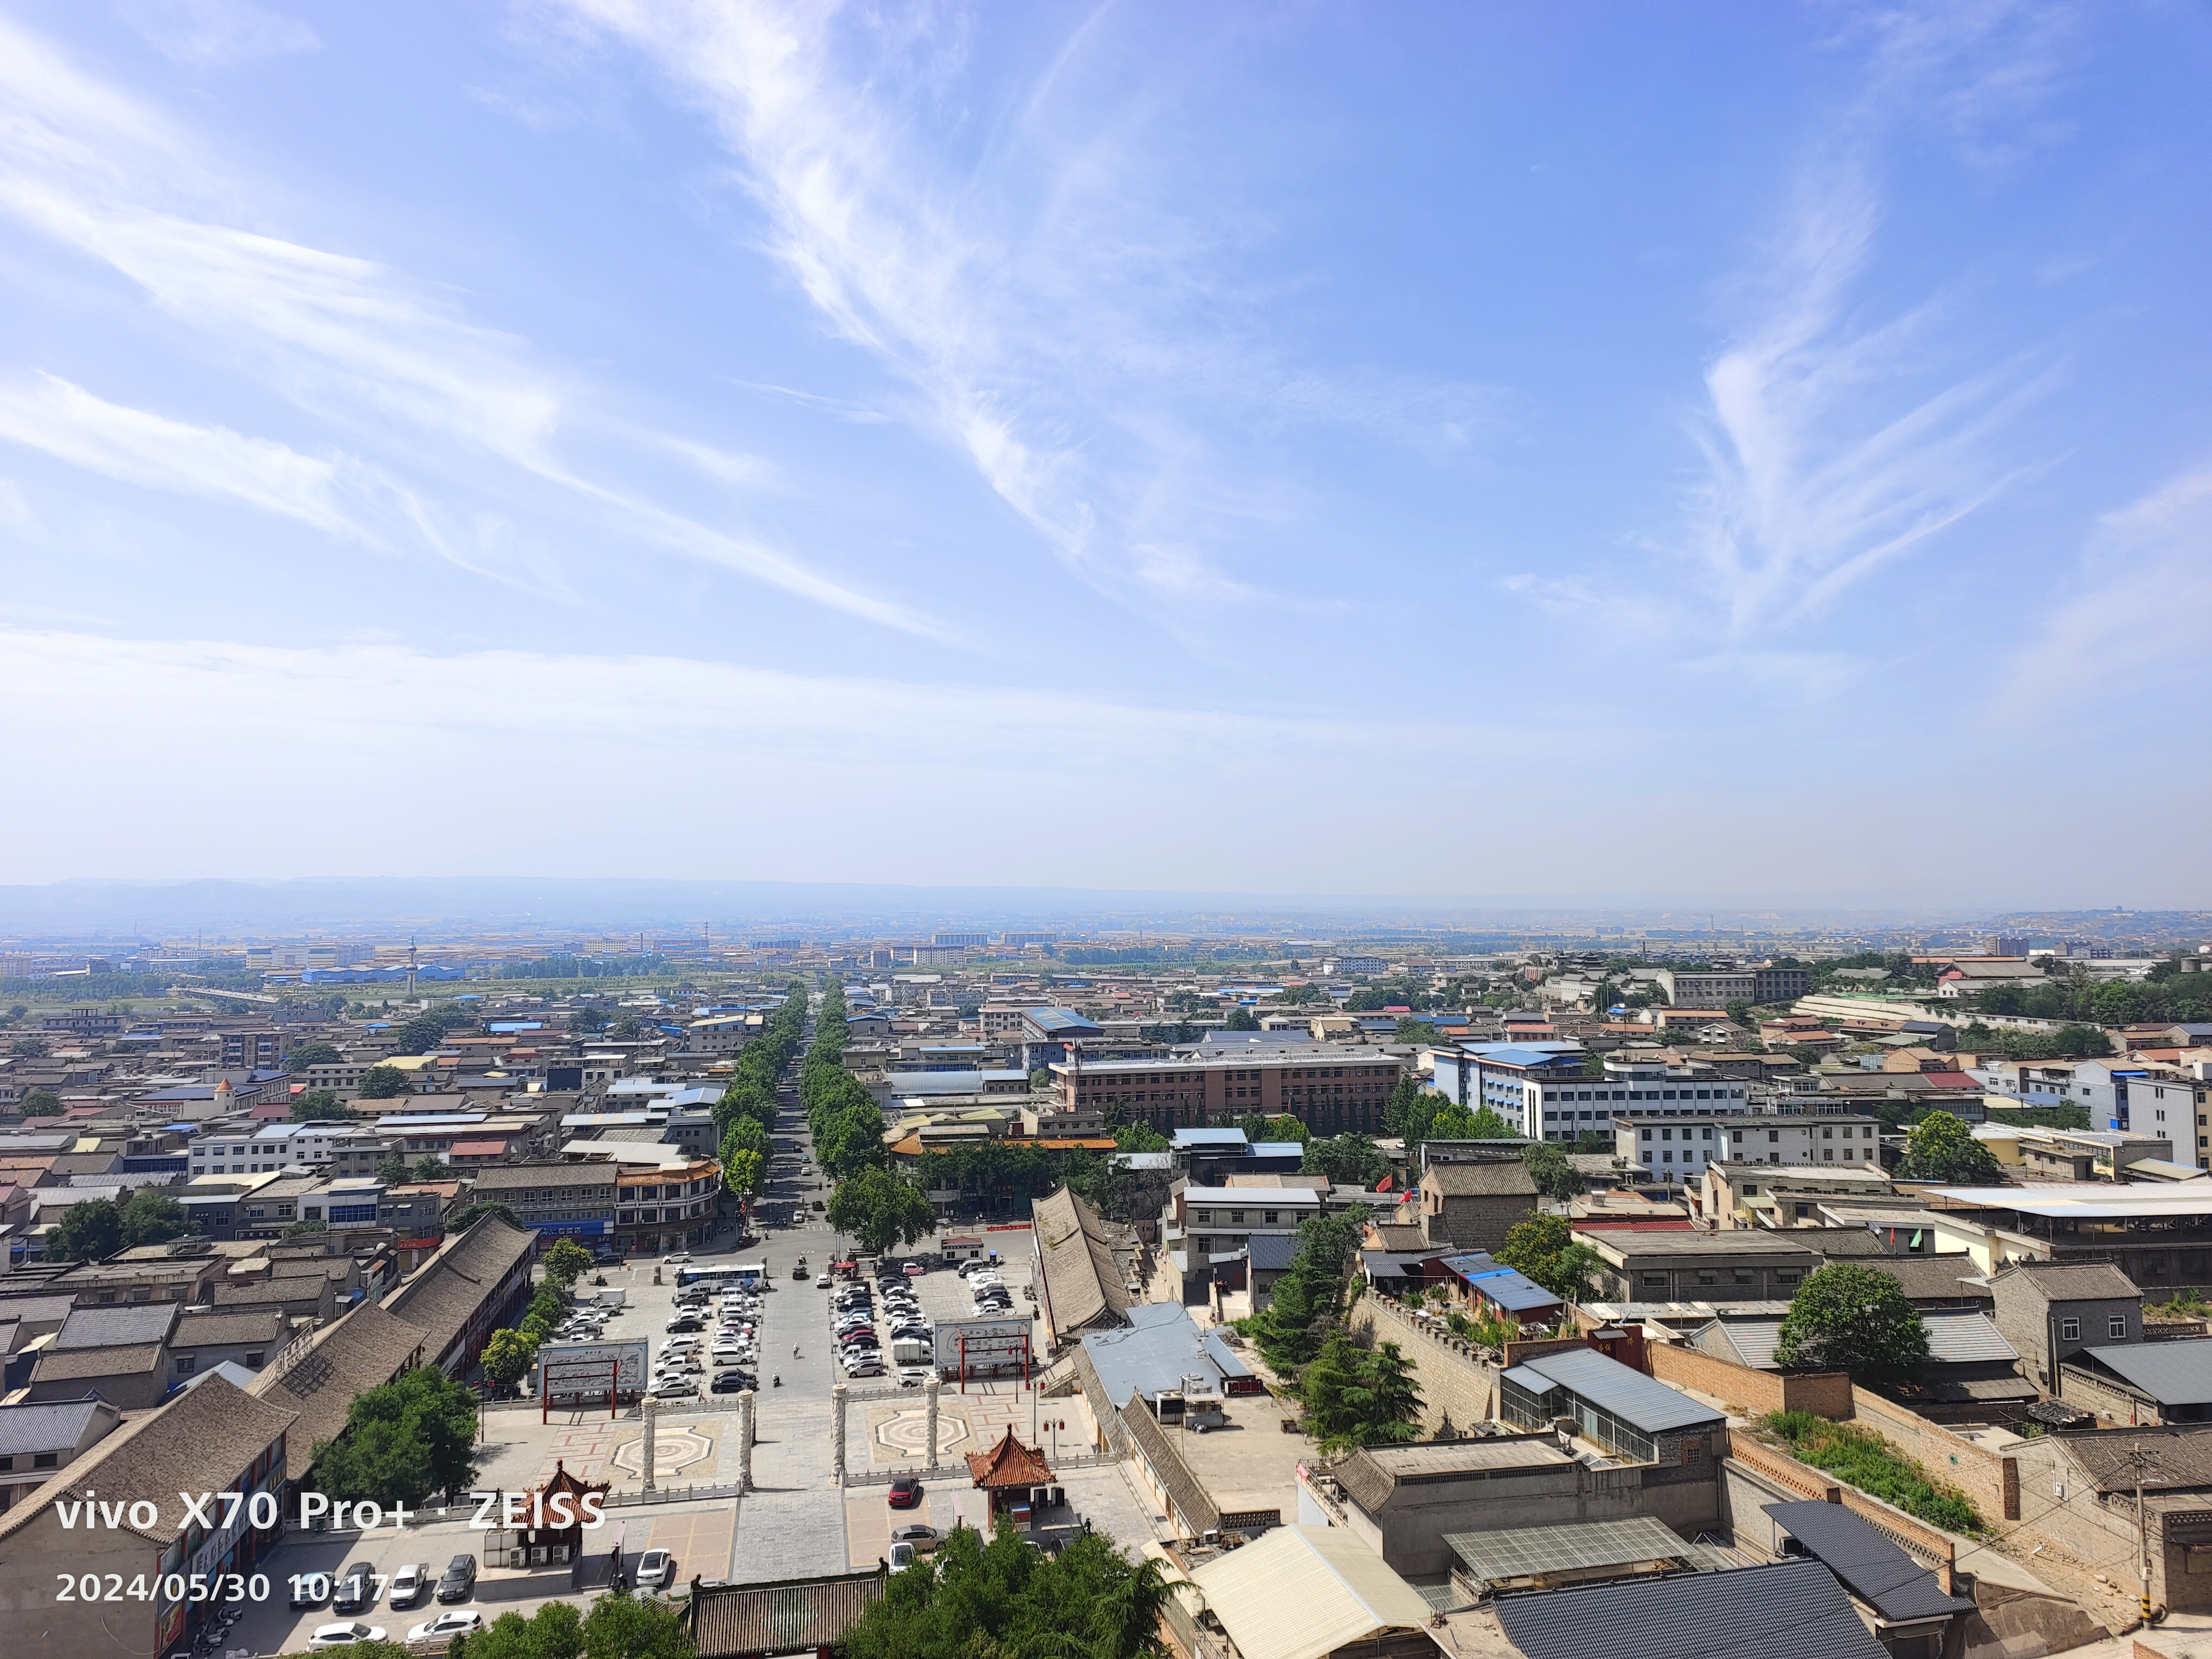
684,1324
913,1376
408,1584
446,1627
732,1382
822,1281
656,1568
916,1270
675,1387
357,1589
339,1636
902,1557
459,1582
906,1492
310,1590
919,1533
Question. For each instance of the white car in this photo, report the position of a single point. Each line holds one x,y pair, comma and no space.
339,1636
822,1282
446,1625
656,1568
675,1387
913,1376
682,1259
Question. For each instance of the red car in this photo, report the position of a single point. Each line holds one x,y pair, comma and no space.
906,1492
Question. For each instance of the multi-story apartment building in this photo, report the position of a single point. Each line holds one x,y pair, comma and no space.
273,1146
1678,1149
1542,1089
2174,1108
559,1200
1331,1089
1716,988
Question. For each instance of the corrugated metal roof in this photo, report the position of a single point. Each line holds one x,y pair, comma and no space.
2172,1373
1790,1610
1526,1552
1301,1592
1512,1290
1638,1400
1871,1567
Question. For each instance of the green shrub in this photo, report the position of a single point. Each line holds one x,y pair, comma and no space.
1863,1459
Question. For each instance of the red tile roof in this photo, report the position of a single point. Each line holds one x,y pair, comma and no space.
1009,1464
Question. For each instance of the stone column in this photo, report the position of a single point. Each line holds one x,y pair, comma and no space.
837,1432
647,1410
930,1392
746,1403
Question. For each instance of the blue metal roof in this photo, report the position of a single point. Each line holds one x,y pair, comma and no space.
1512,1290
1049,1020
1210,1138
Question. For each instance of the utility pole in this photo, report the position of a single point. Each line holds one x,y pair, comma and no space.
2139,1460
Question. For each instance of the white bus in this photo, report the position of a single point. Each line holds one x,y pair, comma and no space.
750,1275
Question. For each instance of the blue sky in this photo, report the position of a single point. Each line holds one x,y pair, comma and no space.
1732,451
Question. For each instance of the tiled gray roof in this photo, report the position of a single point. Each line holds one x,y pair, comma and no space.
2075,1281
365,1349
44,1426
445,1293
1788,1610
117,1327
204,1330
1081,1275
1871,1567
730,1619
2172,1373
201,1441
69,1365
1486,1178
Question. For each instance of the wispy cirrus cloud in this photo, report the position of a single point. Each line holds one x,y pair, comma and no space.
216,33
381,357
1058,318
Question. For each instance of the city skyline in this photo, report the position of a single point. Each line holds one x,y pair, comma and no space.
1591,453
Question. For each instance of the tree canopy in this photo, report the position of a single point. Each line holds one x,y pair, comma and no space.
1548,1167
743,1171
1852,1318
313,1105
403,1442
1308,1298
1941,1147
1359,1397
1004,1600
1348,1160
312,1054
383,1082
1240,1020
617,1626
42,1102
1544,1248
882,1209
567,1262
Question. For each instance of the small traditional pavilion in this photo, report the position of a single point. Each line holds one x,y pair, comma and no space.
1009,1472
548,1540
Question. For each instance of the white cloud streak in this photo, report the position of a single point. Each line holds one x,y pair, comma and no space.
340,336
1055,317
216,33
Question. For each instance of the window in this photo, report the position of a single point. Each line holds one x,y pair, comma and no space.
254,1357
1751,1189
2119,1327
2069,1330
186,1363
1655,1281
1273,1217
46,1460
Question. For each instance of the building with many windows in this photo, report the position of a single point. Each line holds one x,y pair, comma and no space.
1677,1147
1543,1089
1330,1088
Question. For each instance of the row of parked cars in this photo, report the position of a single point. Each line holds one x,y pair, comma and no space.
700,1337
992,1296
355,1591
854,1325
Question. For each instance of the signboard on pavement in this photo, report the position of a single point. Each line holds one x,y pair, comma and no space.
980,1343
582,1368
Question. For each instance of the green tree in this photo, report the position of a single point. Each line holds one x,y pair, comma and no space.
1301,996
1544,1248
1941,1147
999,1599
1308,1298
403,1442
743,1171
1139,1136
617,1626
853,1139
88,1231
1850,1318
28,1047
1240,1020
1348,1160
587,1021
152,1216
1355,1398
320,1105
1401,1108
1554,1176
427,1168
747,1135
312,1054
301,1228
1041,1079
1741,1009
383,1082
881,1209
391,1169
42,1102
507,1356
567,1262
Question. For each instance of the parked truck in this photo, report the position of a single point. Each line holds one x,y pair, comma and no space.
612,1298
910,1351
